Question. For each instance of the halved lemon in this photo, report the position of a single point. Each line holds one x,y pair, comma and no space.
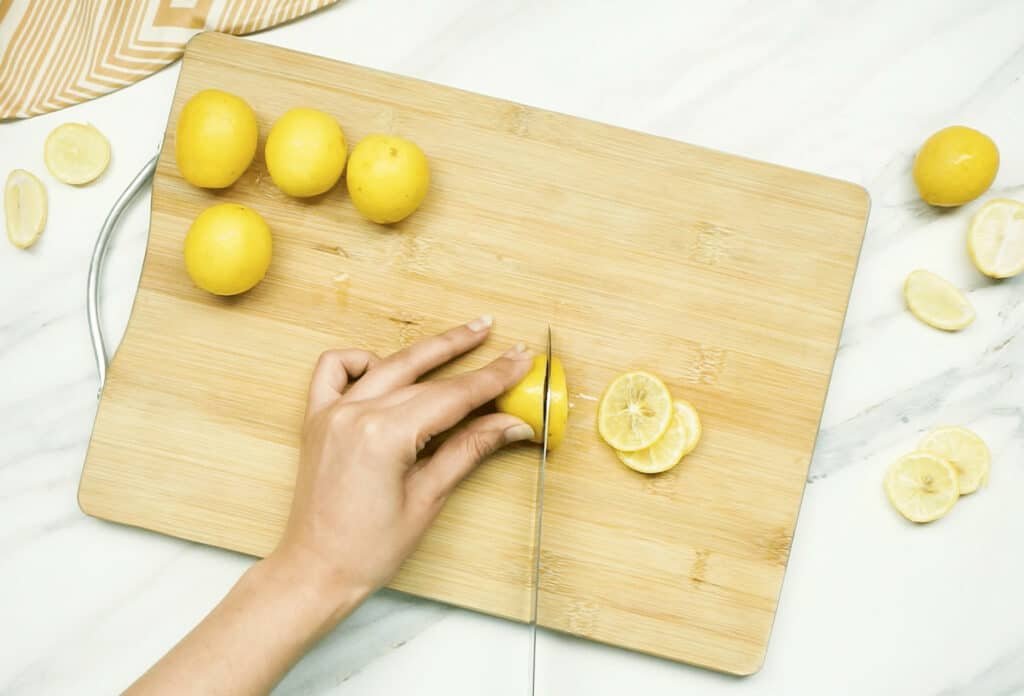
76,153
995,239
24,208
634,412
922,486
678,441
936,301
962,448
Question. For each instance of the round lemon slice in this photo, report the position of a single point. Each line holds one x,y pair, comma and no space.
921,486
936,301
967,452
679,440
995,239
634,412
76,153
24,208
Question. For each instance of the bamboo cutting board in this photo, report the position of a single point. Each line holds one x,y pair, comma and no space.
727,277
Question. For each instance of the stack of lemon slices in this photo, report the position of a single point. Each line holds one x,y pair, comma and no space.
649,430
949,462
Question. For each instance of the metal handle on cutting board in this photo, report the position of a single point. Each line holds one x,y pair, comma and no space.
95,265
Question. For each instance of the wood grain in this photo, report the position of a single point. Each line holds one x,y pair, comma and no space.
727,277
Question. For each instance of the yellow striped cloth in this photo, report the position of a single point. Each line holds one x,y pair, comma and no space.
55,53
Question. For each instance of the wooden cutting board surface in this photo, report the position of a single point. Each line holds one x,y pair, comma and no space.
727,277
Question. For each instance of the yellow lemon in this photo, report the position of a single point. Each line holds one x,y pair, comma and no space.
962,448
387,178
526,401
682,436
634,412
936,301
76,153
922,487
995,239
955,165
24,208
215,140
306,152
227,249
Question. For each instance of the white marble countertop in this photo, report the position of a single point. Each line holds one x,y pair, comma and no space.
871,603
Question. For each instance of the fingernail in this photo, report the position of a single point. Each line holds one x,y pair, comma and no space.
517,351
481,323
518,432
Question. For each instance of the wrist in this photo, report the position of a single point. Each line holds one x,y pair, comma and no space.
319,600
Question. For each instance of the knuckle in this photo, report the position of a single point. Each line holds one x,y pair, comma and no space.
478,446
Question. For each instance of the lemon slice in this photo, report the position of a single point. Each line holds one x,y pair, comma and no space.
634,412
995,239
967,452
76,153
679,440
921,486
936,301
24,208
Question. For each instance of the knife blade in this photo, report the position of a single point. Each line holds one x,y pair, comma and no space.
538,517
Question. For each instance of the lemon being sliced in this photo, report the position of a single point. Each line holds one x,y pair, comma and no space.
24,208
995,239
967,452
76,153
936,301
634,412
678,441
921,486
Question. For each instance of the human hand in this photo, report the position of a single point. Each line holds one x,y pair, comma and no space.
363,495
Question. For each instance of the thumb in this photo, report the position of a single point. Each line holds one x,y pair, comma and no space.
463,451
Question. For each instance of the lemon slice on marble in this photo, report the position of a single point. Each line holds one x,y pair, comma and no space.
76,153
962,448
922,486
634,412
995,239
678,441
24,208
936,301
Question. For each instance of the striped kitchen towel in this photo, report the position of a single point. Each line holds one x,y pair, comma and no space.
55,53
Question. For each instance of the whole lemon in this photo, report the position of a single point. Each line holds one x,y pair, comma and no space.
955,165
526,400
305,152
387,178
227,249
215,140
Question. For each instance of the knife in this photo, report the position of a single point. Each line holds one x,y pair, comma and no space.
537,517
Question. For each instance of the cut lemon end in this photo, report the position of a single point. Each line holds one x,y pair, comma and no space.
936,301
679,440
995,239
76,153
634,412
24,208
922,486
962,448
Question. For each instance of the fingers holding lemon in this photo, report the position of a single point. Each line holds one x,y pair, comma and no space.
387,178
228,249
305,152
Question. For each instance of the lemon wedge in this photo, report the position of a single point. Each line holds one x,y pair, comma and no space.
962,448
921,486
936,301
995,239
634,412
678,441
76,153
24,208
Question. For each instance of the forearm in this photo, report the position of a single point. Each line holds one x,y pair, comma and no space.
251,639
